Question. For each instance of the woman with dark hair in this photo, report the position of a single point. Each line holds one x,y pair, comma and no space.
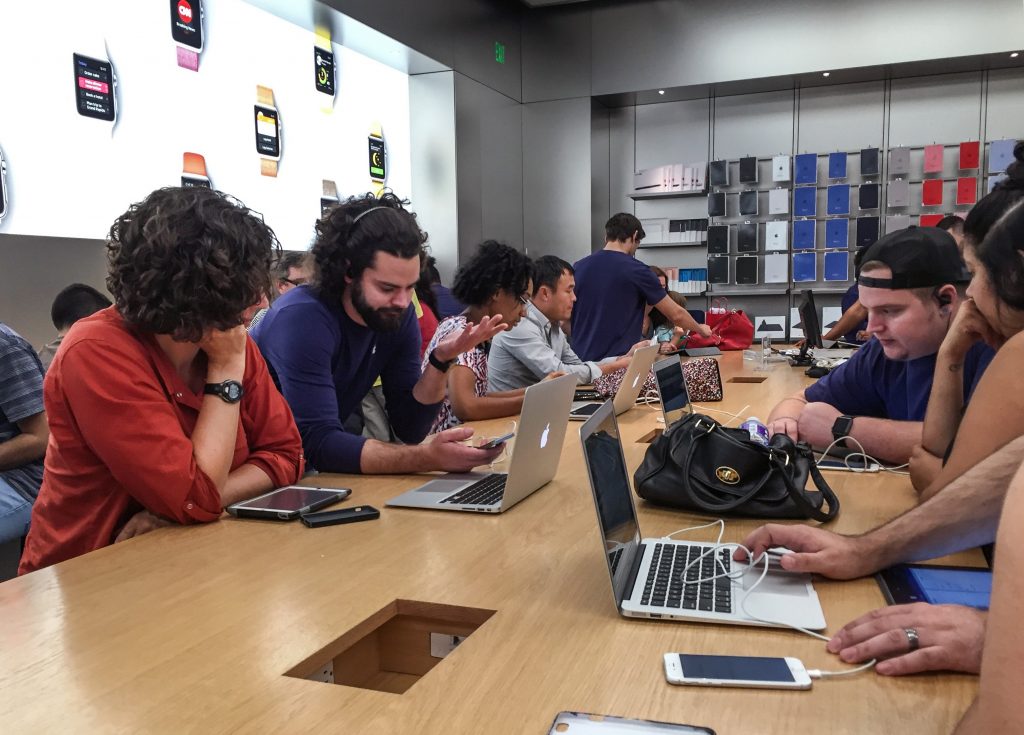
494,283
161,409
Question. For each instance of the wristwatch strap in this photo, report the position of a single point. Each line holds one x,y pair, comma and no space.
265,97
322,39
195,164
188,58
433,360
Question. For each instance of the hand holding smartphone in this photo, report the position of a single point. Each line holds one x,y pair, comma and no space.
497,441
736,671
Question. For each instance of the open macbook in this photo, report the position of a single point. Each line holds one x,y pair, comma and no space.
647,576
534,461
632,383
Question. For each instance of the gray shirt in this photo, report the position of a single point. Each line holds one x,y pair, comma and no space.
529,351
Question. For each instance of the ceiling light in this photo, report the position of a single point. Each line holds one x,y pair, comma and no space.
1014,55
662,91
826,73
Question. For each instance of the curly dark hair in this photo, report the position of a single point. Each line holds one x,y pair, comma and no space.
184,260
344,247
495,267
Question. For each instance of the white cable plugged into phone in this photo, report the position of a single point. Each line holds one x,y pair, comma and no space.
896,469
737,573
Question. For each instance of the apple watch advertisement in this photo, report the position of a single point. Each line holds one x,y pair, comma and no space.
378,159
268,139
94,87
186,23
323,67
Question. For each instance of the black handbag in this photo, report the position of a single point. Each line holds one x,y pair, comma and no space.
700,465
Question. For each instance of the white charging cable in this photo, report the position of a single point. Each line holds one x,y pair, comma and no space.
739,572
896,469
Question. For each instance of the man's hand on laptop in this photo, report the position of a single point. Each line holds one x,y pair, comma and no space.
449,454
814,551
471,336
951,638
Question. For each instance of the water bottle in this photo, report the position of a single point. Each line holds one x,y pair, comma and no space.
758,431
766,352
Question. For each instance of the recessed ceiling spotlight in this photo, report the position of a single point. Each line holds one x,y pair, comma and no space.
662,91
826,73
1014,55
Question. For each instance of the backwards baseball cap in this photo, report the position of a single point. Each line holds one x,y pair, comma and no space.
919,257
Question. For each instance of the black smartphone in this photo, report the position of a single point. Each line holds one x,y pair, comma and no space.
496,441
345,515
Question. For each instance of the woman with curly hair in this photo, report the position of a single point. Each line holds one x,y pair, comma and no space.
494,284
161,409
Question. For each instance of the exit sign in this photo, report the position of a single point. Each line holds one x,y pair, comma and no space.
499,52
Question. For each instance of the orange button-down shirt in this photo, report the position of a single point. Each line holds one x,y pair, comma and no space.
121,419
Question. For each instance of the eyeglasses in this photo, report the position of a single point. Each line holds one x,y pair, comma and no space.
295,282
523,300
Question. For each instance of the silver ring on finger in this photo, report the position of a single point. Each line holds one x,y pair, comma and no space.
912,638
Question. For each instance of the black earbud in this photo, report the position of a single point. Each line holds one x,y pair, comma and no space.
944,299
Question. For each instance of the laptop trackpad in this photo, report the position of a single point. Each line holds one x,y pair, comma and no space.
778,583
448,484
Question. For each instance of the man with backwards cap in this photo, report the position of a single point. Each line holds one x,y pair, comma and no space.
911,283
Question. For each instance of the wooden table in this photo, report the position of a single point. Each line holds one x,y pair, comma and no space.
192,629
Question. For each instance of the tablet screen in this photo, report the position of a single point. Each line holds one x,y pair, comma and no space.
971,587
289,498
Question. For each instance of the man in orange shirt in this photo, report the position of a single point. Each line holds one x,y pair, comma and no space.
161,408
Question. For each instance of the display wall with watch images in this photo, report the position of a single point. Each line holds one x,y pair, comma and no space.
799,179
133,96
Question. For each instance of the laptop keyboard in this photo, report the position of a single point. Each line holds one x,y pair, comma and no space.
487,491
665,587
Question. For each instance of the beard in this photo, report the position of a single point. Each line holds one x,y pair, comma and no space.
388,319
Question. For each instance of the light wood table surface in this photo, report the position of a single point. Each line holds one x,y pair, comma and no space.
192,629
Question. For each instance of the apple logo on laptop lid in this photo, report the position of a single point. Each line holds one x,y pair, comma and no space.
544,436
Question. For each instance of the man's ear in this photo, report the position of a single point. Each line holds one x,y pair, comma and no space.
946,295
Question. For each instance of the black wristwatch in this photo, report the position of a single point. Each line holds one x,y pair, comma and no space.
230,391
442,366
842,427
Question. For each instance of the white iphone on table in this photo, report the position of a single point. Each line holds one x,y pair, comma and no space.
736,671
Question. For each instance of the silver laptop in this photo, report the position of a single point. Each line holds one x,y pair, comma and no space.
535,455
675,400
646,575
632,383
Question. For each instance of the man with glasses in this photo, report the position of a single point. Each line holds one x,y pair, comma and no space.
292,269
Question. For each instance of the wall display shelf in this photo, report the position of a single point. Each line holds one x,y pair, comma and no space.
639,195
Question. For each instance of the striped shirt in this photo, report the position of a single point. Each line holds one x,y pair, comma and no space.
21,396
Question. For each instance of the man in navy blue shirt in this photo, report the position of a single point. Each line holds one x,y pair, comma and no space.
326,344
613,291
910,284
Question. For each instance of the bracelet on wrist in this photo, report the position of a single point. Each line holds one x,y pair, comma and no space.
437,363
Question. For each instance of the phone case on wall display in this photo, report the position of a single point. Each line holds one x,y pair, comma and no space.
930,220
748,202
806,168
716,204
804,267
746,237
837,233
778,201
899,161
899,193
718,239
933,158
967,190
776,268
718,269
867,196
746,270
805,201
931,192
748,170
970,154
803,234
780,168
896,222
837,165
1000,155
867,231
718,173
837,266
838,201
776,235
868,161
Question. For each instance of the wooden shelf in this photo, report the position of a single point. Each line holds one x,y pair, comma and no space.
652,245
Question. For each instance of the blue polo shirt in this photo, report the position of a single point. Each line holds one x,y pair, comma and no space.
870,384
324,363
612,292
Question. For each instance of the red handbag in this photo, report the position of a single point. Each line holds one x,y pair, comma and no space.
731,329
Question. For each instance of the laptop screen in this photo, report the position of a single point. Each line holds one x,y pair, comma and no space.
612,495
675,401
